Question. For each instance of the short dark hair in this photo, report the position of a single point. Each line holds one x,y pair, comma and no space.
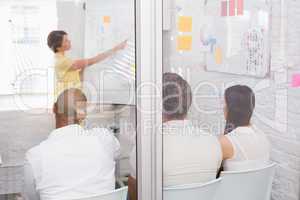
177,96
55,39
240,102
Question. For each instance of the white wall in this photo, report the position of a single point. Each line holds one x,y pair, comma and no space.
278,106
71,18
24,102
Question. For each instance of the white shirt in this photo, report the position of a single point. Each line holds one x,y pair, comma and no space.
74,163
251,149
190,155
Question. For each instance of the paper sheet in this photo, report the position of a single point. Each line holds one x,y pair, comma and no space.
106,19
295,80
232,8
218,55
224,8
240,7
185,24
184,43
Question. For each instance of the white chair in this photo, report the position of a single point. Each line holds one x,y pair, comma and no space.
193,191
247,185
119,194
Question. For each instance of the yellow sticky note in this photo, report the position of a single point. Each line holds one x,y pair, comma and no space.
185,24
106,19
184,43
218,55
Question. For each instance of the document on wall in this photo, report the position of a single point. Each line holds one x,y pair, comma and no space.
241,31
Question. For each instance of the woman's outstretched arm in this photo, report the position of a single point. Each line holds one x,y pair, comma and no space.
83,63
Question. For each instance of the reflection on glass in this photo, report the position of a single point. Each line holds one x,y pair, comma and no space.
205,43
84,146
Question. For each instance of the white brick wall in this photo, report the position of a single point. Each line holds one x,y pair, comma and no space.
286,147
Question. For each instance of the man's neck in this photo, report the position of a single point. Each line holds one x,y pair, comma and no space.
165,120
62,123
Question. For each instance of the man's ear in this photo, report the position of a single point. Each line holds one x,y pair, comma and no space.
80,114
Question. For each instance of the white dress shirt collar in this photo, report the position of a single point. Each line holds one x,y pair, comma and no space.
70,130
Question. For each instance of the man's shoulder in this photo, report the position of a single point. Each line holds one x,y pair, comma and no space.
99,131
106,137
34,152
197,131
203,137
103,134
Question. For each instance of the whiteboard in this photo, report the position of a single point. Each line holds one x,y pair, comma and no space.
109,23
237,34
25,59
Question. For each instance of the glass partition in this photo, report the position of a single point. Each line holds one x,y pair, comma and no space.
68,99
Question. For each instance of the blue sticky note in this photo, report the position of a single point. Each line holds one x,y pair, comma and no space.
101,28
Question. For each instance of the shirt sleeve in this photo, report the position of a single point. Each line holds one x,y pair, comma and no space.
110,141
29,192
63,66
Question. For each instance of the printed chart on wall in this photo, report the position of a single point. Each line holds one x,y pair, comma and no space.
108,23
237,34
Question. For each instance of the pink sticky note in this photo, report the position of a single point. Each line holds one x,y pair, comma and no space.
224,8
295,80
232,8
240,7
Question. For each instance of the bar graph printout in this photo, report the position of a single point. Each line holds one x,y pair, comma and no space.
124,62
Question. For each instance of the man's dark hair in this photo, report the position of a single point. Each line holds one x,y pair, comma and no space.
240,102
177,96
55,39
67,102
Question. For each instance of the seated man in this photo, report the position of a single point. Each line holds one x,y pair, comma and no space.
190,155
73,162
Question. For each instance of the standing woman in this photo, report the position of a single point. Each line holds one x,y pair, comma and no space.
68,71
244,146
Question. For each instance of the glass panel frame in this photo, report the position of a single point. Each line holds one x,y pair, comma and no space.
149,99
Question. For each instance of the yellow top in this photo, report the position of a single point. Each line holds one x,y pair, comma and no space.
65,76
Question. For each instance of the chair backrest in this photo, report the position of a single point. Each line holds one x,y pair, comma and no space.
247,185
193,191
119,194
